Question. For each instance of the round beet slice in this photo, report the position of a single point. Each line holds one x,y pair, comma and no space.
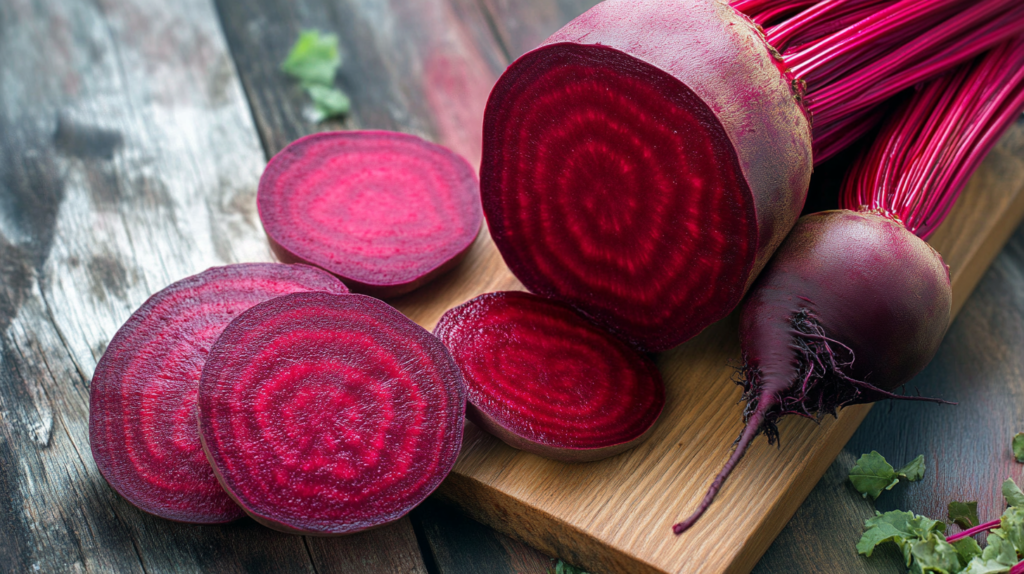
142,402
545,380
386,212
643,164
329,414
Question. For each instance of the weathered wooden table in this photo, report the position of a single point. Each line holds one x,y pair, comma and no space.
132,134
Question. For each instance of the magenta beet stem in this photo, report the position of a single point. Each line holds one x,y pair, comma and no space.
975,530
749,432
1018,569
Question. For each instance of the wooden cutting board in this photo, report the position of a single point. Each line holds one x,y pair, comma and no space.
615,515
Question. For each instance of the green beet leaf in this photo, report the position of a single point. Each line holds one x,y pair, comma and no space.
872,474
968,549
902,528
1012,494
314,58
963,514
1018,446
329,102
934,554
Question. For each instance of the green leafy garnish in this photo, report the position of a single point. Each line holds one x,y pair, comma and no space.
329,102
964,514
1012,494
872,474
967,548
902,528
565,568
314,60
926,549
1018,446
934,554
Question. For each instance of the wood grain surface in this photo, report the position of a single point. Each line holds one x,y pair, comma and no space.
132,135
128,160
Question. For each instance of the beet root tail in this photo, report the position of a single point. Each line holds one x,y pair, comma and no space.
753,428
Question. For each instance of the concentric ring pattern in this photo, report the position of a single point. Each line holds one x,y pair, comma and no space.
608,184
541,371
142,409
381,210
329,414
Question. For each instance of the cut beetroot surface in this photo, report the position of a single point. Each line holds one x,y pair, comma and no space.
142,404
545,380
643,164
384,211
329,414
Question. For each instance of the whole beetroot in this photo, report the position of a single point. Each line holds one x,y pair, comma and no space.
855,303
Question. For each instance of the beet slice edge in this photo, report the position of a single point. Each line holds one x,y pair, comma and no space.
329,414
545,380
385,211
153,364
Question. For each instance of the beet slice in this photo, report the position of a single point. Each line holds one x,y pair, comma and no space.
329,414
545,380
643,164
386,212
142,403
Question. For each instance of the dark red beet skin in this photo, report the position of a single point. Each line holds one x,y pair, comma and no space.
852,306
643,164
142,403
386,212
545,380
329,414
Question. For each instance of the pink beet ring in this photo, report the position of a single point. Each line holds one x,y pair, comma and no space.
384,211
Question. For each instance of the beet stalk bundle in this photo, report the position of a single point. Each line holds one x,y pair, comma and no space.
855,303
645,162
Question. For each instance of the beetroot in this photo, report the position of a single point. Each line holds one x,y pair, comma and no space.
386,212
625,180
143,394
544,380
644,163
329,414
855,303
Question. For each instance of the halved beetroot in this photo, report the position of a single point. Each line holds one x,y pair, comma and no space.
643,164
386,212
545,380
142,403
329,414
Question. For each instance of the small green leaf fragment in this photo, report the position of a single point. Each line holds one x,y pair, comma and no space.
563,567
979,566
899,527
1018,446
914,470
329,102
872,474
967,548
1012,494
934,554
314,58
964,514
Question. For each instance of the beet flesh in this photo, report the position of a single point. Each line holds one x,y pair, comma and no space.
329,414
387,212
142,402
852,307
643,164
545,380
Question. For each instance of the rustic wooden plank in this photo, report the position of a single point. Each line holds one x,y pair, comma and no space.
460,545
128,160
521,25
